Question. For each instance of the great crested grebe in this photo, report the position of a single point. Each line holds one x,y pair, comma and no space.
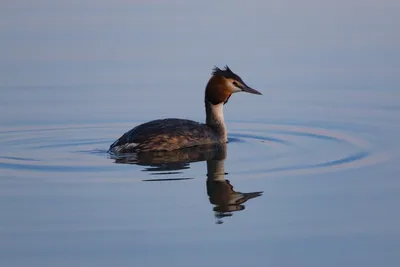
172,134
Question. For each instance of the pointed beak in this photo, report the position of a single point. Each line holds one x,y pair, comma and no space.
250,90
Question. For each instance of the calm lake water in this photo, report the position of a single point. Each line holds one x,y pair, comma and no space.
310,176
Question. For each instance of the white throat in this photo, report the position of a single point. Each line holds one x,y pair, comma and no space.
215,118
218,112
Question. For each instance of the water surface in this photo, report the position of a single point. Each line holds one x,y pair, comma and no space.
309,176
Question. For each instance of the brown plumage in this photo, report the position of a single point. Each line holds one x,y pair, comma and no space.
216,90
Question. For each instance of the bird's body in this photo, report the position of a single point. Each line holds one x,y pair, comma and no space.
172,134
166,135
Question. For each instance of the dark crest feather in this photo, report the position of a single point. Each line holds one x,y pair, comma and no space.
226,72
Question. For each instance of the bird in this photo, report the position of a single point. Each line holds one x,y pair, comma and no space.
172,133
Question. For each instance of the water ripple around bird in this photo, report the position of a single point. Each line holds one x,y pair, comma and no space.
254,149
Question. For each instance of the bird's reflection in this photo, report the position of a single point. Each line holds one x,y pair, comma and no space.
219,190
170,162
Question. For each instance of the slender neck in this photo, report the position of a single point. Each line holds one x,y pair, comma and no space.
215,119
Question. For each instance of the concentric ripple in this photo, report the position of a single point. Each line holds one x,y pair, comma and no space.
256,149
295,149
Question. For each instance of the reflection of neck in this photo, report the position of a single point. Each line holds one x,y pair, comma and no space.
215,119
215,170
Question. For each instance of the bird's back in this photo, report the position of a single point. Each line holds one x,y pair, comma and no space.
165,135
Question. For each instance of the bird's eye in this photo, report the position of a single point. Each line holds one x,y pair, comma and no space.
235,84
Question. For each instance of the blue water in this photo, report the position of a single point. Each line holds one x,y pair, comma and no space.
310,176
